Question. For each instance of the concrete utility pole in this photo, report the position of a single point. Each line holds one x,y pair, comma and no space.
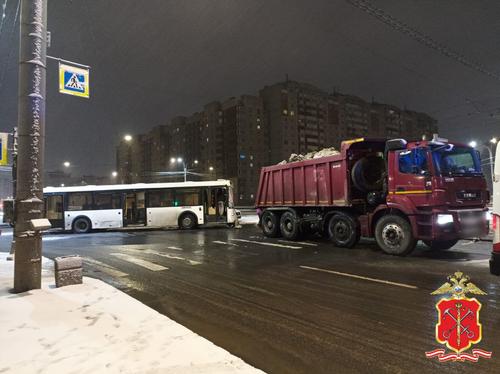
14,186
31,132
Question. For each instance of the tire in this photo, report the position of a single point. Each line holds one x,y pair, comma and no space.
187,221
394,235
343,230
270,224
82,225
440,244
495,263
289,226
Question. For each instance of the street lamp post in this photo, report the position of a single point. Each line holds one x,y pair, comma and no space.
493,141
179,160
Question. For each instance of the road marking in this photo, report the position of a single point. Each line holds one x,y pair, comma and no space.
105,268
137,261
360,277
269,244
226,243
302,243
175,248
156,253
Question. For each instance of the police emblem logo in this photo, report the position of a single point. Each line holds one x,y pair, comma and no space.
458,326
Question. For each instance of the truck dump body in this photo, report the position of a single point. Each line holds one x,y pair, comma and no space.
316,182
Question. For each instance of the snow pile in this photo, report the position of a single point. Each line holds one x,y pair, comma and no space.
325,152
94,328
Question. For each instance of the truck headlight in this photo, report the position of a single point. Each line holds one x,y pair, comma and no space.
444,219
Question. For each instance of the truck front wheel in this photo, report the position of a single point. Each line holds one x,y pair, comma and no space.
289,226
270,224
343,230
440,244
394,235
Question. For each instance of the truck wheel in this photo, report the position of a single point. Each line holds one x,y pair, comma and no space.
270,224
289,226
495,263
81,225
394,235
343,230
440,244
187,221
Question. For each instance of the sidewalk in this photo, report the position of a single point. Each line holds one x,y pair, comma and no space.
94,328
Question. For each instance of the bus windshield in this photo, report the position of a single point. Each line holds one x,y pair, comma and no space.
456,161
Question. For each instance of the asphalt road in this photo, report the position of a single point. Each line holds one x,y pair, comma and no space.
293,307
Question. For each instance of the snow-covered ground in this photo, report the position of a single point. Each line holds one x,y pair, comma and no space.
94,328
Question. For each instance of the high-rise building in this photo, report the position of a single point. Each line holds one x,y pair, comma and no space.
233,139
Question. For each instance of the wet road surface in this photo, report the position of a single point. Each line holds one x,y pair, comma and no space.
293,307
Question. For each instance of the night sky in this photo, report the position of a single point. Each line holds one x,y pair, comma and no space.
154,59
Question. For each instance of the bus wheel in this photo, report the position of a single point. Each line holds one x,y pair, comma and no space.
440,244
187,221
394,235
81,225
270,225
289,226
343,230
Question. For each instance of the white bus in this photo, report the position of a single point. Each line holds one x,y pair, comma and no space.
495,255
185,205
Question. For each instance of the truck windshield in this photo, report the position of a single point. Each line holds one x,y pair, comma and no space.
451,160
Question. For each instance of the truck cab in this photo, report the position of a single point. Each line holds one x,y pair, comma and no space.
440,187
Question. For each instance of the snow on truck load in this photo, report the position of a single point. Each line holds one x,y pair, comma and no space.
396,191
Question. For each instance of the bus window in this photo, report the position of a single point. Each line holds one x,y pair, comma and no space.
54,207
187,197
106,200
80,201
160,198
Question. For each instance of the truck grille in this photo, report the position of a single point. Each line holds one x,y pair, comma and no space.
469,195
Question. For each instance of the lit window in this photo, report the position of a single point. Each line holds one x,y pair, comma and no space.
258,127
292,113
251,165
207,140
285,112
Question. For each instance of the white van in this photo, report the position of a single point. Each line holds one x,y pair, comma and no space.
495,254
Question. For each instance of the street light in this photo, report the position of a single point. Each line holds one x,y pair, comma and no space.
196,162
493,140
473,143
127,138
67,164
179,160
114,174
211,168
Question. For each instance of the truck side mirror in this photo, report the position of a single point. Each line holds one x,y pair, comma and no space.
395,144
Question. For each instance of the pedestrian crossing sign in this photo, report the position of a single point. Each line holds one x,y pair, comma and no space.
73,80
4,137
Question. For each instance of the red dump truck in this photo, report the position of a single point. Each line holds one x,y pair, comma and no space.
396,191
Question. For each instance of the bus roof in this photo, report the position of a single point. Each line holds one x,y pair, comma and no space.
136,186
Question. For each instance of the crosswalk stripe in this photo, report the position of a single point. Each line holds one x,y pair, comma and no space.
140,262
268,244
175,248
105,268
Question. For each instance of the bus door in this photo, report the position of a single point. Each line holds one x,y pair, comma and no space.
54,210
134,210
215,201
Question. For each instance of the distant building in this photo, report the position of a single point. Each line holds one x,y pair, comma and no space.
233,139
